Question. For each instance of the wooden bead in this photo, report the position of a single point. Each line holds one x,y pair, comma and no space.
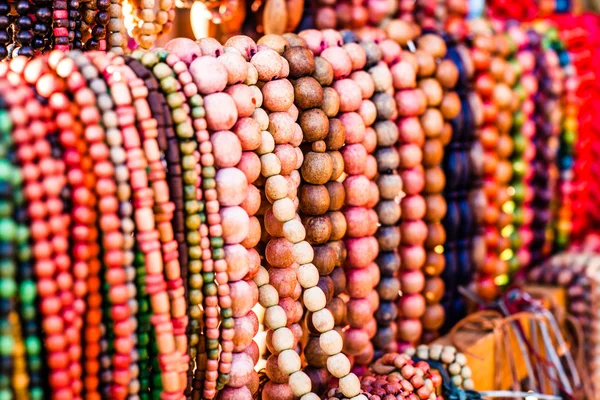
303,252
349,385
308,275
314,299
284,209
283,339
276,187
323,320
275,317
331,342
300,382
289,362
268,296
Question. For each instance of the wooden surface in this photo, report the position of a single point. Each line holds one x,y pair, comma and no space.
480,347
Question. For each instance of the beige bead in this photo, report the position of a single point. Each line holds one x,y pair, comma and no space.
359,397
267,144
283,339
294,231
147,15
331,342
276,187
323,320
256,92
423,352
310,396
284,210
148,28
275,317
457,380
260,116
269,165
454,369
146,41
435,352
314,299
466,372
308,275
410,351
450,349
447,357
289,362
303,252
166,5
262,277
469,384
148,4
299,382
162,17
461,359
350,385
338,365
268,296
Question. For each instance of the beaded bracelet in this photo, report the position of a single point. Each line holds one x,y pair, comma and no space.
455,362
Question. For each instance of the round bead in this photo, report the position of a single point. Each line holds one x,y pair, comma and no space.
331,342
275,317
314,299
299,382
283,339
284,209
350,385
323,320
308,275
289,362
338,365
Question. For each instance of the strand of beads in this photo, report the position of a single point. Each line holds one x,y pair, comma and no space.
454,362
30,135
411,103
9,359
315,198
27,292
23,29
440,96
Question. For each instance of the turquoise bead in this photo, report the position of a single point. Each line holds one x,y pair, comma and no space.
8,287
27,291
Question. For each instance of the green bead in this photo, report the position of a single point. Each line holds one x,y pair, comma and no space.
162,54
34,363
169,84
33,345
195,252
209,183
208,277
200,206
191,207
189,192
188,162
196,101
213,354
195,281
209,172
162,71
6,170
6,208
188,147
212,344
190,178
6,345
198,112
175,100
22,234
184,130
218,254
155,393
24,253
8,287
193,238
210,289
6,394
195,296
192,221
7,268
143,353
149,59
179,115
227,323
36,393
217,242
6,122
28,311
195,266
223,378
8,230
143,339
226,313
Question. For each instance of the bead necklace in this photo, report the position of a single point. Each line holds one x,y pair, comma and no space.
411,103
11,343
438,89
148,127
150,24
455,362
388,209
49,256
22,29
116,40
5,29
148,236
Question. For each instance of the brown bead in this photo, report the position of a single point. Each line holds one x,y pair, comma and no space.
325,258
337,161
317,168
436,235
315,356
326,285
336,135
307,93
339,225
387,133
273,371
434,290
314,199
314,124
433,153
319,146
433,318
245,328
436,207
277,391
301,60
323,72
331,102
318,229
339,280
435,180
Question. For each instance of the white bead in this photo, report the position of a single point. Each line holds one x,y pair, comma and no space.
289,362
323,320
276,187
284,210
461,359
469,384
338,365
268,296
466,372
314,299
299,382
303,252
454,369
447,358
283,339
275,317
331,342
349,385
270,165
457,380
410,351
308,275
267,143
310,396
262,277
294,231
423,352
